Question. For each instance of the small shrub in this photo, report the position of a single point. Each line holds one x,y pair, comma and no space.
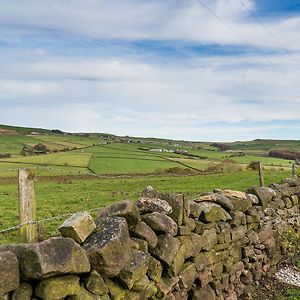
290,243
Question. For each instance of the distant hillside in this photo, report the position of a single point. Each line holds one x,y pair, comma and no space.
7,132
13,130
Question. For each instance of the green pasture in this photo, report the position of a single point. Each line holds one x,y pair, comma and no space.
268,161
61,195
131,164
266,145
55,159
69,140
199,164
13,144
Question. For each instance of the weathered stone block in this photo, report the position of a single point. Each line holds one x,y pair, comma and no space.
240,200
116,290
126,209
57,288
176,201
166,285
264,194
181,295
83,294
78,227
265,234
108,247
160,223
178,261
204,259
23,292
142,230
149,205
193,244
141,284
95,284
218,199
206,293
187,276
201,226
238,233
195,210
135,269
205,277
212,212
166,249
53,257
184,230
238,218
155,269
209,239
217,269
9,272
190,223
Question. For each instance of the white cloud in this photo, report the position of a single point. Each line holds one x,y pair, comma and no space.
132,94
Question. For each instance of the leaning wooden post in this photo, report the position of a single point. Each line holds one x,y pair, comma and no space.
27,207
293,170
261,174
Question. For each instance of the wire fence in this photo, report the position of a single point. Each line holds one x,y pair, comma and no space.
66,215
46,220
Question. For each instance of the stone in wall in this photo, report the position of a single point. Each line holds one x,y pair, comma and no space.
108,247
126,209
9,272
56,256
160,223
78,227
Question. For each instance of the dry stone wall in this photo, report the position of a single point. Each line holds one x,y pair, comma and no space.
164,246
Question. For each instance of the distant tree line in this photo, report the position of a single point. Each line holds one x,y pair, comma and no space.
285,154
221,146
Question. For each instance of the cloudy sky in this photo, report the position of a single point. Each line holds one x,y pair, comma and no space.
186,69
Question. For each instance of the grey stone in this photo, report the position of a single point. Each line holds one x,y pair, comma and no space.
142,230
126,209
135,269
23,292
53,257
9,272
160,223
148,205
166,249
78,227
58,287
211,212
95,284
108,247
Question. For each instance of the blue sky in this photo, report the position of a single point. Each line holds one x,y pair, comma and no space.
152,68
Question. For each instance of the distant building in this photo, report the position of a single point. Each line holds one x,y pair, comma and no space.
155,150
180,151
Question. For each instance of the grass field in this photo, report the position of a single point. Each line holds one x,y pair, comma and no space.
55,159
63,194
14,144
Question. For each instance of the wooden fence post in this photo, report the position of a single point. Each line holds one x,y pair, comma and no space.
261,174
293,170
27,206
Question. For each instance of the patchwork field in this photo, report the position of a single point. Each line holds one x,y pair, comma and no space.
78,171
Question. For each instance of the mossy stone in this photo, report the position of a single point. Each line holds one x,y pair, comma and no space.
57,288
